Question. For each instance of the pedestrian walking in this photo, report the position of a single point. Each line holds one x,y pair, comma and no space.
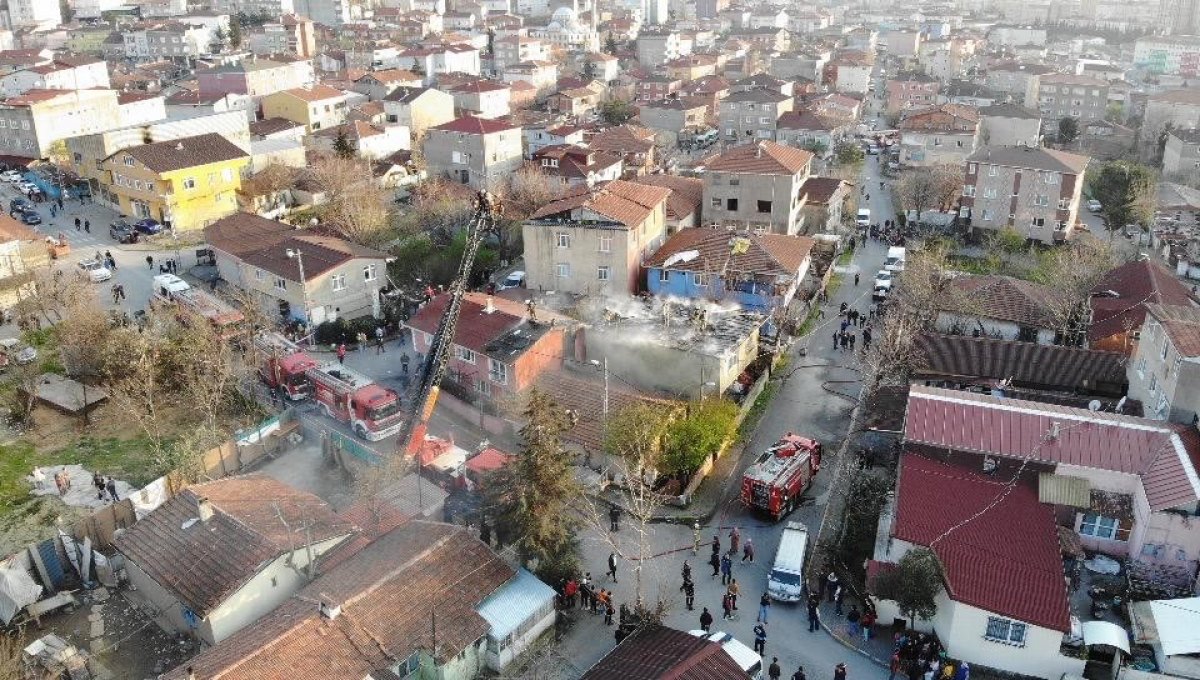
87,226
831,585
53,211
110,260
851,337
814,613
727,606
98,482
341,353
837,337
839,672
760,637
379,348
60,203
852,619
726,570
764,604
116,296
894,666
748,551
686,572
715,563
799,674
856,278
689,594
149,260
734,589
612,566
837,600
111,487
78,223
735,537
614,518
774,671
866,339
706,620
361,340
608,612
404,364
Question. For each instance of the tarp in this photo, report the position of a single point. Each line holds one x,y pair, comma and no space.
17,591
1178,624
149,497
1105,633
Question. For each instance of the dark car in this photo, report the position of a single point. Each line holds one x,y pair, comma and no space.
18,204
148,226
123,232
29,216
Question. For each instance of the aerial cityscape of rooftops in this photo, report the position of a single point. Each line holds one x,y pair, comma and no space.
599,340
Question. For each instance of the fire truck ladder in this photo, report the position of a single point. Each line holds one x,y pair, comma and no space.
412,433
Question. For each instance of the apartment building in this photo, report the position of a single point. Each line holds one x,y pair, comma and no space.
1178,109
1033,190
750,115
1172,55
440,60
1164,373
316,107
1018,80
378,84
331,13
33,14
1181,155
255,77
482,98
938,135
1060,95
32,123
418,108
292,35
174,40
1009,125
514,49
478,152
64,73
911,90
270,8
758,185
655,48
594,241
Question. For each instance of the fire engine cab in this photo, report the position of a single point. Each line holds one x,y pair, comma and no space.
775,482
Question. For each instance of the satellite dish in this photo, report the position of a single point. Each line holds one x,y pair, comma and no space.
1094,405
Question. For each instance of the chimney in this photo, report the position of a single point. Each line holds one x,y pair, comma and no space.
329,610
490,306
179,146
204,508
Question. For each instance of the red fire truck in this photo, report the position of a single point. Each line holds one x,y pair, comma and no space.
372,410
284,366
775,482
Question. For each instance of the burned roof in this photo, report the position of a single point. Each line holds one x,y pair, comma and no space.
202,562
496,328
687,193
717,250
626,204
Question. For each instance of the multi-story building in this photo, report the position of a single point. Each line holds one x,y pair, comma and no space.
292,35
1164,373
66,73
514,49
1062,95
1033,190
1009,125
852,73
1018,80
175,40
673,116
758,185
1014,36
1178,109
909,90
440,59
1175,55
316,107
419,109
594,241
478,152
938,135
185,183
814,132
1181,155
482,98
542,75
33,14
332,13
656,87
655,48
379,84
255,77
270,8
902,44
749,115
32,123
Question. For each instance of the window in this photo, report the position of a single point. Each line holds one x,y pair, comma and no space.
1050,178
188,183
280,283
717,202
700,279
458,158
464,355
606,243
227,174
602,272
498,372
764,121
370,272
992,171
1098,526
137,184
1006,631
731,204
259,275
987,215
764,207
989,193
338,282
968,190
564,239
971,167
664,275
562,270
1041,200
1038,222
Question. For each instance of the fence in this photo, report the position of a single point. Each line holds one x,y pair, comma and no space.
102,525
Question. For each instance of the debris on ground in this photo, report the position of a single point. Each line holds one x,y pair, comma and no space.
79,491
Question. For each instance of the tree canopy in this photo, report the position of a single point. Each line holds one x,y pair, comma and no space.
692,439
914,584
1126,191
1068,129
616,111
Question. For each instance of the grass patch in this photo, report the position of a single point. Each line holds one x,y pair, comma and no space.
810,322
129,459
845,257
759,407
835,282
16,461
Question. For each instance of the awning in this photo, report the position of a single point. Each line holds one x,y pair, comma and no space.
1105,633
1064,490
1178,624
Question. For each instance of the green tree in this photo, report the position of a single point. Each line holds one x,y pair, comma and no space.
692,439
616,111
914,584
1068,129
491,42
341,145
530,499
589,69
818,149
219,38
1126,191
610,44
636,433
1114,113
848,153
235,33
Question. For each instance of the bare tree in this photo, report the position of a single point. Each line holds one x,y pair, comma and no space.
355,207
917,190
529,190
1072,272
947,185
82,338
51,293
134,363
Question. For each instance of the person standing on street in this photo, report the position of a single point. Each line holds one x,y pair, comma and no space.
78,224
727,607
111,487
726,570
764,603
734,589
341,353
689,594
856,278
150,262
735,536
706,620
774,671
814,613
87,226
760,637
379,348
612,566
614,516
715,563
839,672
361,340
799,674
748,551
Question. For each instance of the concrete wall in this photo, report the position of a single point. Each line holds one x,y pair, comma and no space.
946,322
782,191
653,365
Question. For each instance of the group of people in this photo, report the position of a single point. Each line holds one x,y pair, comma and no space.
921,656
106,487
363,341
846,336
591,598
889,233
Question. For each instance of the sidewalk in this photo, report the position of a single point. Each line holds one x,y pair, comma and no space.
878,648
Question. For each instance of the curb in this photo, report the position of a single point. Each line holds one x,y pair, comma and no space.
846,643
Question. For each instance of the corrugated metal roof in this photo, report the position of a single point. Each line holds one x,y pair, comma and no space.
513,603
1064,490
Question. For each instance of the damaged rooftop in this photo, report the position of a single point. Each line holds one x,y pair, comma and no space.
701,326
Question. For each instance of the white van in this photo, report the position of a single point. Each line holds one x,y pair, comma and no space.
743,656
786,579
895,259
863,218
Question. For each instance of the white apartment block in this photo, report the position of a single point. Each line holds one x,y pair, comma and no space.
32,123
33,14
172,40
271,8
1175,55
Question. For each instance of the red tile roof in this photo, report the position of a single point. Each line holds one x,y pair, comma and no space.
1004,298
623,139
1136,284
762,158
477,126
1163,454
687,193
764,255
1181,324
1005,560
624,202
655,652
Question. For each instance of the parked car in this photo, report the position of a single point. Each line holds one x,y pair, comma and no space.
148,226
10,176
1094,206
123,232
27,187
29,216
96,271
514,280
13,350
19,204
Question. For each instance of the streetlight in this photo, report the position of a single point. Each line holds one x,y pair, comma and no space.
299,257
603,366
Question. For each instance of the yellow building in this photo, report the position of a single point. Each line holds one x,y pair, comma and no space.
185,183
316,108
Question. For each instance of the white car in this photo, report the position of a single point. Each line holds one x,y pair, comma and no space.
514,280
26,187
96,272
1094,205
10,176
884,279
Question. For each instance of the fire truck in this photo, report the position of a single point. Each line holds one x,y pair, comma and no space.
372,410
170,289
284,366
775,482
